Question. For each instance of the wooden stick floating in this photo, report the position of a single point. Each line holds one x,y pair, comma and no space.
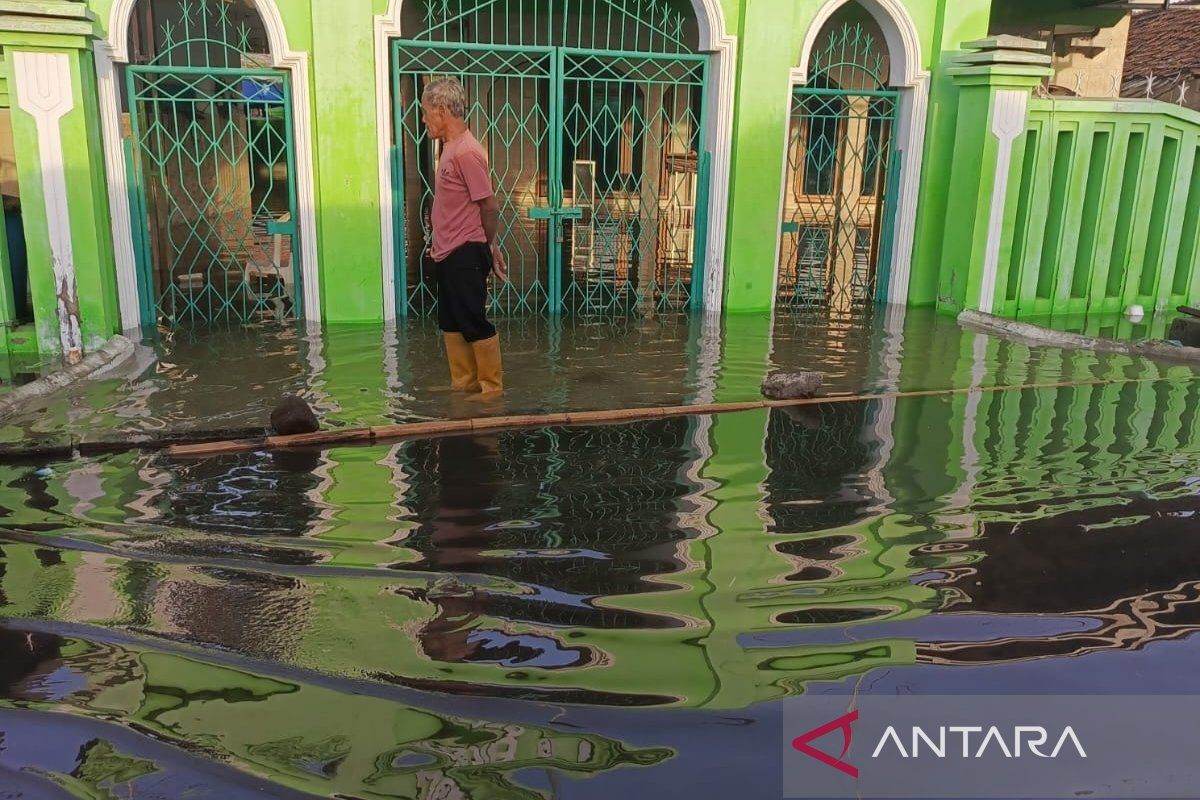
466,427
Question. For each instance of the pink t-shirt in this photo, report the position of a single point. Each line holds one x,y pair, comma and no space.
463,180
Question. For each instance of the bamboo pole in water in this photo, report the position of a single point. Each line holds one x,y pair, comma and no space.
466,427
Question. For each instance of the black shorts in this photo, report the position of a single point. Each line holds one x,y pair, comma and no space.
462,281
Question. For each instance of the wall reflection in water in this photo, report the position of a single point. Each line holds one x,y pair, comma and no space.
711,563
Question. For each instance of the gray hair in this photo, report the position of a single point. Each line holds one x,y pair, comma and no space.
447,93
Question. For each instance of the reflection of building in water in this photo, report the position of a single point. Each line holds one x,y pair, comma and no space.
603,565
1065,490
243,496
718,562
1132,623
313,738
1077,564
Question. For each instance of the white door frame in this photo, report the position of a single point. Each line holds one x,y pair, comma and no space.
912,81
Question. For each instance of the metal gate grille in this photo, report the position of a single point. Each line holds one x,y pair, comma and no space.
840,177
593,116
632,130
518,135
211,165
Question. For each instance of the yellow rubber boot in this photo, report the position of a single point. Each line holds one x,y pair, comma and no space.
489,366
461,356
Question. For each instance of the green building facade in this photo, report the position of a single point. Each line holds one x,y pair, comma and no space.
185,161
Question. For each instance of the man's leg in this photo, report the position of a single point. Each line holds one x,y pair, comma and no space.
470,290
490,364
459,354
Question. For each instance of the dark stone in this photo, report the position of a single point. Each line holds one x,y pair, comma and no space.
1187,331
792,385
294,416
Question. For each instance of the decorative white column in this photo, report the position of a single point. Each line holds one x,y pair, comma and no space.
1008,123
44,91
118,188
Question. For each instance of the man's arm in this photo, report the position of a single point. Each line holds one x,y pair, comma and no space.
478,178
489,210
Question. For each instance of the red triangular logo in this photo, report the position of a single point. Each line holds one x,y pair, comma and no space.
844,724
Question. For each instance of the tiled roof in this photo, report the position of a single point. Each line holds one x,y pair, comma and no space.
1164,43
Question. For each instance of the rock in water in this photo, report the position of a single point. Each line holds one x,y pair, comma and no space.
1186,330
792,385
294,416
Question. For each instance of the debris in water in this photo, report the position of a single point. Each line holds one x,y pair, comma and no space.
1186,331
792,385
294,416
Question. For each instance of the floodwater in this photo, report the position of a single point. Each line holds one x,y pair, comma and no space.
581,613
229,379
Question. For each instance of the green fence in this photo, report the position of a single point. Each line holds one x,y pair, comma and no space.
1103,209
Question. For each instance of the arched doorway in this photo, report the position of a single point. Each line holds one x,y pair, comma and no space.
842,173
594,118
212,166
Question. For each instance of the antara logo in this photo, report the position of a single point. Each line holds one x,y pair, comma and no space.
1032,736
843,723
975,741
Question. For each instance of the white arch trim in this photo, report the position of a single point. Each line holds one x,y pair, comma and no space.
115,50
912,79
713,39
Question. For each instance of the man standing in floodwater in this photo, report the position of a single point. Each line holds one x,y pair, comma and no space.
466,223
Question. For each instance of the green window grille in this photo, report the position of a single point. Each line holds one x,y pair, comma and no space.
594,117
212,165
841,170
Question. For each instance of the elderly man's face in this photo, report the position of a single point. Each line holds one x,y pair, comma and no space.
435,118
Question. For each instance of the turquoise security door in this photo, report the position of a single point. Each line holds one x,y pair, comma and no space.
842,176
508,89
593,116
211,165
633,129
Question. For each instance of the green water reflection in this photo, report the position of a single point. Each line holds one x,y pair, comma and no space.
298,734
708,564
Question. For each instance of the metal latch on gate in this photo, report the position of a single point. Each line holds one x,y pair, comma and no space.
544,212
284,226
565,213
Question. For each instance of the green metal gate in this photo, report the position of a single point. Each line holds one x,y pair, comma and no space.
212,169
593,116
842,177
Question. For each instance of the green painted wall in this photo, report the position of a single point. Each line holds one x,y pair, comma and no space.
771,33
972,182
343,64
347,173
37,228
955,24
777,33
768,49
91,225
